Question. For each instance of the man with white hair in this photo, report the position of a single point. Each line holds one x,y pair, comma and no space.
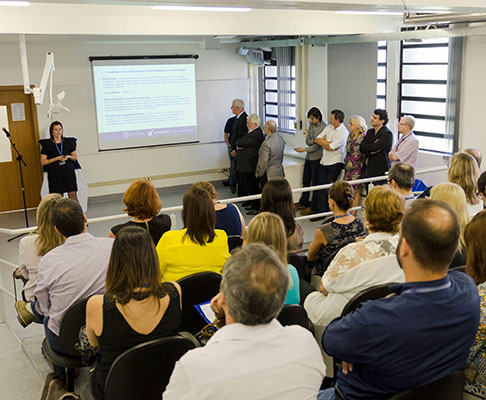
247,148
253,356
407,147
238,130
270,155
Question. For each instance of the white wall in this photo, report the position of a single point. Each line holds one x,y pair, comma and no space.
473,103
111,172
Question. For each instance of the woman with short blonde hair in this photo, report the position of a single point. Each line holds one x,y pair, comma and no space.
463,170
268,228
37,244
142,203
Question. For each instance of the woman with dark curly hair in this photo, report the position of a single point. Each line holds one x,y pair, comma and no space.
277,198
360,265
136,307
142,203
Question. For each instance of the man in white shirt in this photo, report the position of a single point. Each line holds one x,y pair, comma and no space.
252,356
333,141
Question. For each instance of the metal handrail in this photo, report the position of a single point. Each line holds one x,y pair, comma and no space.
20,231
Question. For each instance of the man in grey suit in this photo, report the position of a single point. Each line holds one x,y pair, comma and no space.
270,155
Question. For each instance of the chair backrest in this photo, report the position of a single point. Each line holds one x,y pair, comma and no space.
197,289
295,314
450,387
460,268
300,264
74,318
372,293
143,371
234,241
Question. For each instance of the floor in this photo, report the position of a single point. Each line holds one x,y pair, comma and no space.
22,366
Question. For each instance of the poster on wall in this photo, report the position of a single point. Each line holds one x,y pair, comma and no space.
5,150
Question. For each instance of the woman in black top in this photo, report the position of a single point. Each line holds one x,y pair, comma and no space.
143,204
59,159
136,307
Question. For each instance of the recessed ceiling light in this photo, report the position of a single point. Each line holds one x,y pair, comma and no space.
351,12
14,3
200,8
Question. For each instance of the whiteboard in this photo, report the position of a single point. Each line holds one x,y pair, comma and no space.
213,99
5,150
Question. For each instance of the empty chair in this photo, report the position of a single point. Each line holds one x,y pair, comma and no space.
295,314
197,289
143,371
73,320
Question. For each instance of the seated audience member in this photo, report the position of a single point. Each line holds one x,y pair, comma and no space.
343,229
196,248
476,154
464,171
355,159
142,203
136,307
401,178
454,196
277,198
252,356
424,331
476,268
228,217
363,264
482,187
72,271
407,146
268,228
36,245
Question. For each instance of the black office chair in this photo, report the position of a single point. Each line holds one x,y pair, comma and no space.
74,318
372,293
197,289
234,241
450,387
300,264
295,314
143,372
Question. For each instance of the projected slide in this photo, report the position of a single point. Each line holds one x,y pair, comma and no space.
148,104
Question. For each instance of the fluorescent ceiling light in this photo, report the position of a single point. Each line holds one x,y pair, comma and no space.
371,12
200,8
14,3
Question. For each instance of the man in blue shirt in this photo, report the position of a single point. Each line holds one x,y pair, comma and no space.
421,333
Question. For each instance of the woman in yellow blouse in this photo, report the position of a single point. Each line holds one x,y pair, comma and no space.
196,248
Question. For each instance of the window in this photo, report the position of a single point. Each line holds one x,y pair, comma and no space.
279,89
423,91
381,76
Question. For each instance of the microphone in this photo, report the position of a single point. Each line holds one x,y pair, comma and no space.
6,132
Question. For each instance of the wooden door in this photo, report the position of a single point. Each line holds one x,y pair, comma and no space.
25,135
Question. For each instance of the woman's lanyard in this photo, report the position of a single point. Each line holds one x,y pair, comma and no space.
62,149
342,216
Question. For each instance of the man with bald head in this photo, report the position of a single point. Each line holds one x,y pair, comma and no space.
407,146
476,154
422,332
270,155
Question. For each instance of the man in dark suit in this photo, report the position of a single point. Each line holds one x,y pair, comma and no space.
238,131
247,148
377,144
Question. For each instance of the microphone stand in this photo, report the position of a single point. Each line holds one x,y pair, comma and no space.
21,161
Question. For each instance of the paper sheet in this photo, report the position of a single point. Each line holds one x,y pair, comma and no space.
5,150
206,312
